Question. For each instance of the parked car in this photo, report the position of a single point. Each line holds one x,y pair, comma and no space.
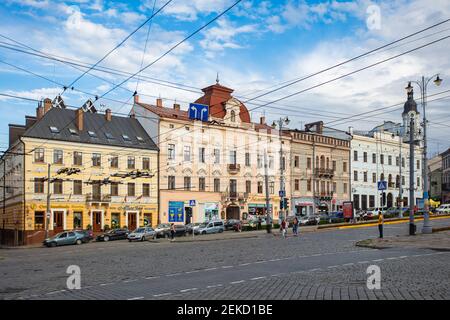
180,230
142,234
443,209
114,234
254,222
161,229
303,220
66,238
230,223
192,226
88,234
210,227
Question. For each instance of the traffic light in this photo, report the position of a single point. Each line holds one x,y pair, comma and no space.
286,203
281,204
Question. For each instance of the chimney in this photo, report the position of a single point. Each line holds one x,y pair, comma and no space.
39,112
79,114
262,120
176,106
108,114
159,102
136,98
47,105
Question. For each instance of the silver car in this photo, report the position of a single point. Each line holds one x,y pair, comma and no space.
142,234
210,227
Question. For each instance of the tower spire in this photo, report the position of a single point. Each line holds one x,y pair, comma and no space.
217,78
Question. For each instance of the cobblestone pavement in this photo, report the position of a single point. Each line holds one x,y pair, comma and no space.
313,265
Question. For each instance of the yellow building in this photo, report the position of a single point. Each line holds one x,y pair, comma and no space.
102,169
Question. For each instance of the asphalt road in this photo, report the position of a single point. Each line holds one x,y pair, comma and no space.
316,265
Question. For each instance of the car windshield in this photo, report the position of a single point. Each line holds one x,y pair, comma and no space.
139,230
203,225
162,225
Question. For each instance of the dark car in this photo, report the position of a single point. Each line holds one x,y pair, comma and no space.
230,223
88,234
180,230
114,234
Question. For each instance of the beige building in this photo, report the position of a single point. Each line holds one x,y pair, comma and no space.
102,169
213,168
319,175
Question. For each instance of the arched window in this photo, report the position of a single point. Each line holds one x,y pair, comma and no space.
328,163
322,161
382,177
317,162
233,116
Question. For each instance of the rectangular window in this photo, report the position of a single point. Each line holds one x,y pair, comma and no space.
171,152
271,187
271,162
171,183
308,185
390,160
382,158
145,163
77,158
114,189
77,220
297,184
114,161
146,189
334,165
260,187
39,223
57,156
374,177
397,162
356,201
247,159
259,161
233,157
345,188
403,162
355,175
216,156
248,186
283,163
371,201
187,153
308,163
355,155
38,185
365,176
187,183
403,180
201,155
96,159
131,189
216,185
296,161
77,187
131,163
418,182
365,156
58,187
374,158
418,164
201,184
344,166
39,155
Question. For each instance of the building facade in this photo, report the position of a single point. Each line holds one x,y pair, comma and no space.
435,178
99,170
214,168
446,176
382,156
319,175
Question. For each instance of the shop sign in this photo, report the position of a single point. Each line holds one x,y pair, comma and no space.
176,211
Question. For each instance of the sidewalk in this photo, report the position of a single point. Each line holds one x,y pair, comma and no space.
435,241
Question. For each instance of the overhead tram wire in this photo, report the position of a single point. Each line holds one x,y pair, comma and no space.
117,46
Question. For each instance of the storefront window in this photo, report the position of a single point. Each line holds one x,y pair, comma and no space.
39,220
77,220
211,211
115,220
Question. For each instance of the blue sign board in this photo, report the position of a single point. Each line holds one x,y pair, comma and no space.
198,111
282,193
176,211
192,203
382,185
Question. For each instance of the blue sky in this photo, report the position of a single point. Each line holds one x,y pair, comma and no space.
255,46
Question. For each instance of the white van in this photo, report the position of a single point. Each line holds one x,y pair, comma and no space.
210,227
443,209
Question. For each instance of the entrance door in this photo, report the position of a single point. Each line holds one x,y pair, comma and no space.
188,211
97,221
132,221
58,221
390,200
233,212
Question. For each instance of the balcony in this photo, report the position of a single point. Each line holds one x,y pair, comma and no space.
234,196
98,198
324,195
234,168
392,185
324,173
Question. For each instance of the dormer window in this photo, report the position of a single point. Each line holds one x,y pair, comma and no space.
109,136
126,138
233,116
92,134
140,139
73,132
54,129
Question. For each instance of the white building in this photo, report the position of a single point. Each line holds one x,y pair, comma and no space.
376,157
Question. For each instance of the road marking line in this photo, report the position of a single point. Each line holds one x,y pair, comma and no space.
186,290
377,260
330,267
316,255
261,261
127,281
363,262
54,292
106,284
162,294
316,269
226,267
193,271
155,277
215,286
392,258
348,264
173,274
209,269
402,257
136,298
257,278
235,282
246,264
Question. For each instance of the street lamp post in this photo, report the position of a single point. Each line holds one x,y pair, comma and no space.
281,121
423,83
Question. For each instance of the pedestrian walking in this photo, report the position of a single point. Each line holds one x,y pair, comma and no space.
295,226
283,228
172,231
380,223
259,223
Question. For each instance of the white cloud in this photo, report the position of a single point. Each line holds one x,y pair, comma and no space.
189,10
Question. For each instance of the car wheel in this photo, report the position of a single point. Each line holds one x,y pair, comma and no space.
154,237
129,240
220,230
53,244
106,238
143,238
78,242
204,232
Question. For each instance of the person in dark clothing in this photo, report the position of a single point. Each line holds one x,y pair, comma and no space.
380,223
172,231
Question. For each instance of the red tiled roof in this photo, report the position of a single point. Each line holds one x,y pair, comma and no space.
166,112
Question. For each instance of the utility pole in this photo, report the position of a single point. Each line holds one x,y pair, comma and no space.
47,214
266,178
412,227
400,186
314,175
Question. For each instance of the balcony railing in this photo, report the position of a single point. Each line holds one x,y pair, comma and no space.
324,195
234,196
323,172
392,185
234,168
98,198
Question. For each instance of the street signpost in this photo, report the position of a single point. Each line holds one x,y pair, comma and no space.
198,111
382,185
